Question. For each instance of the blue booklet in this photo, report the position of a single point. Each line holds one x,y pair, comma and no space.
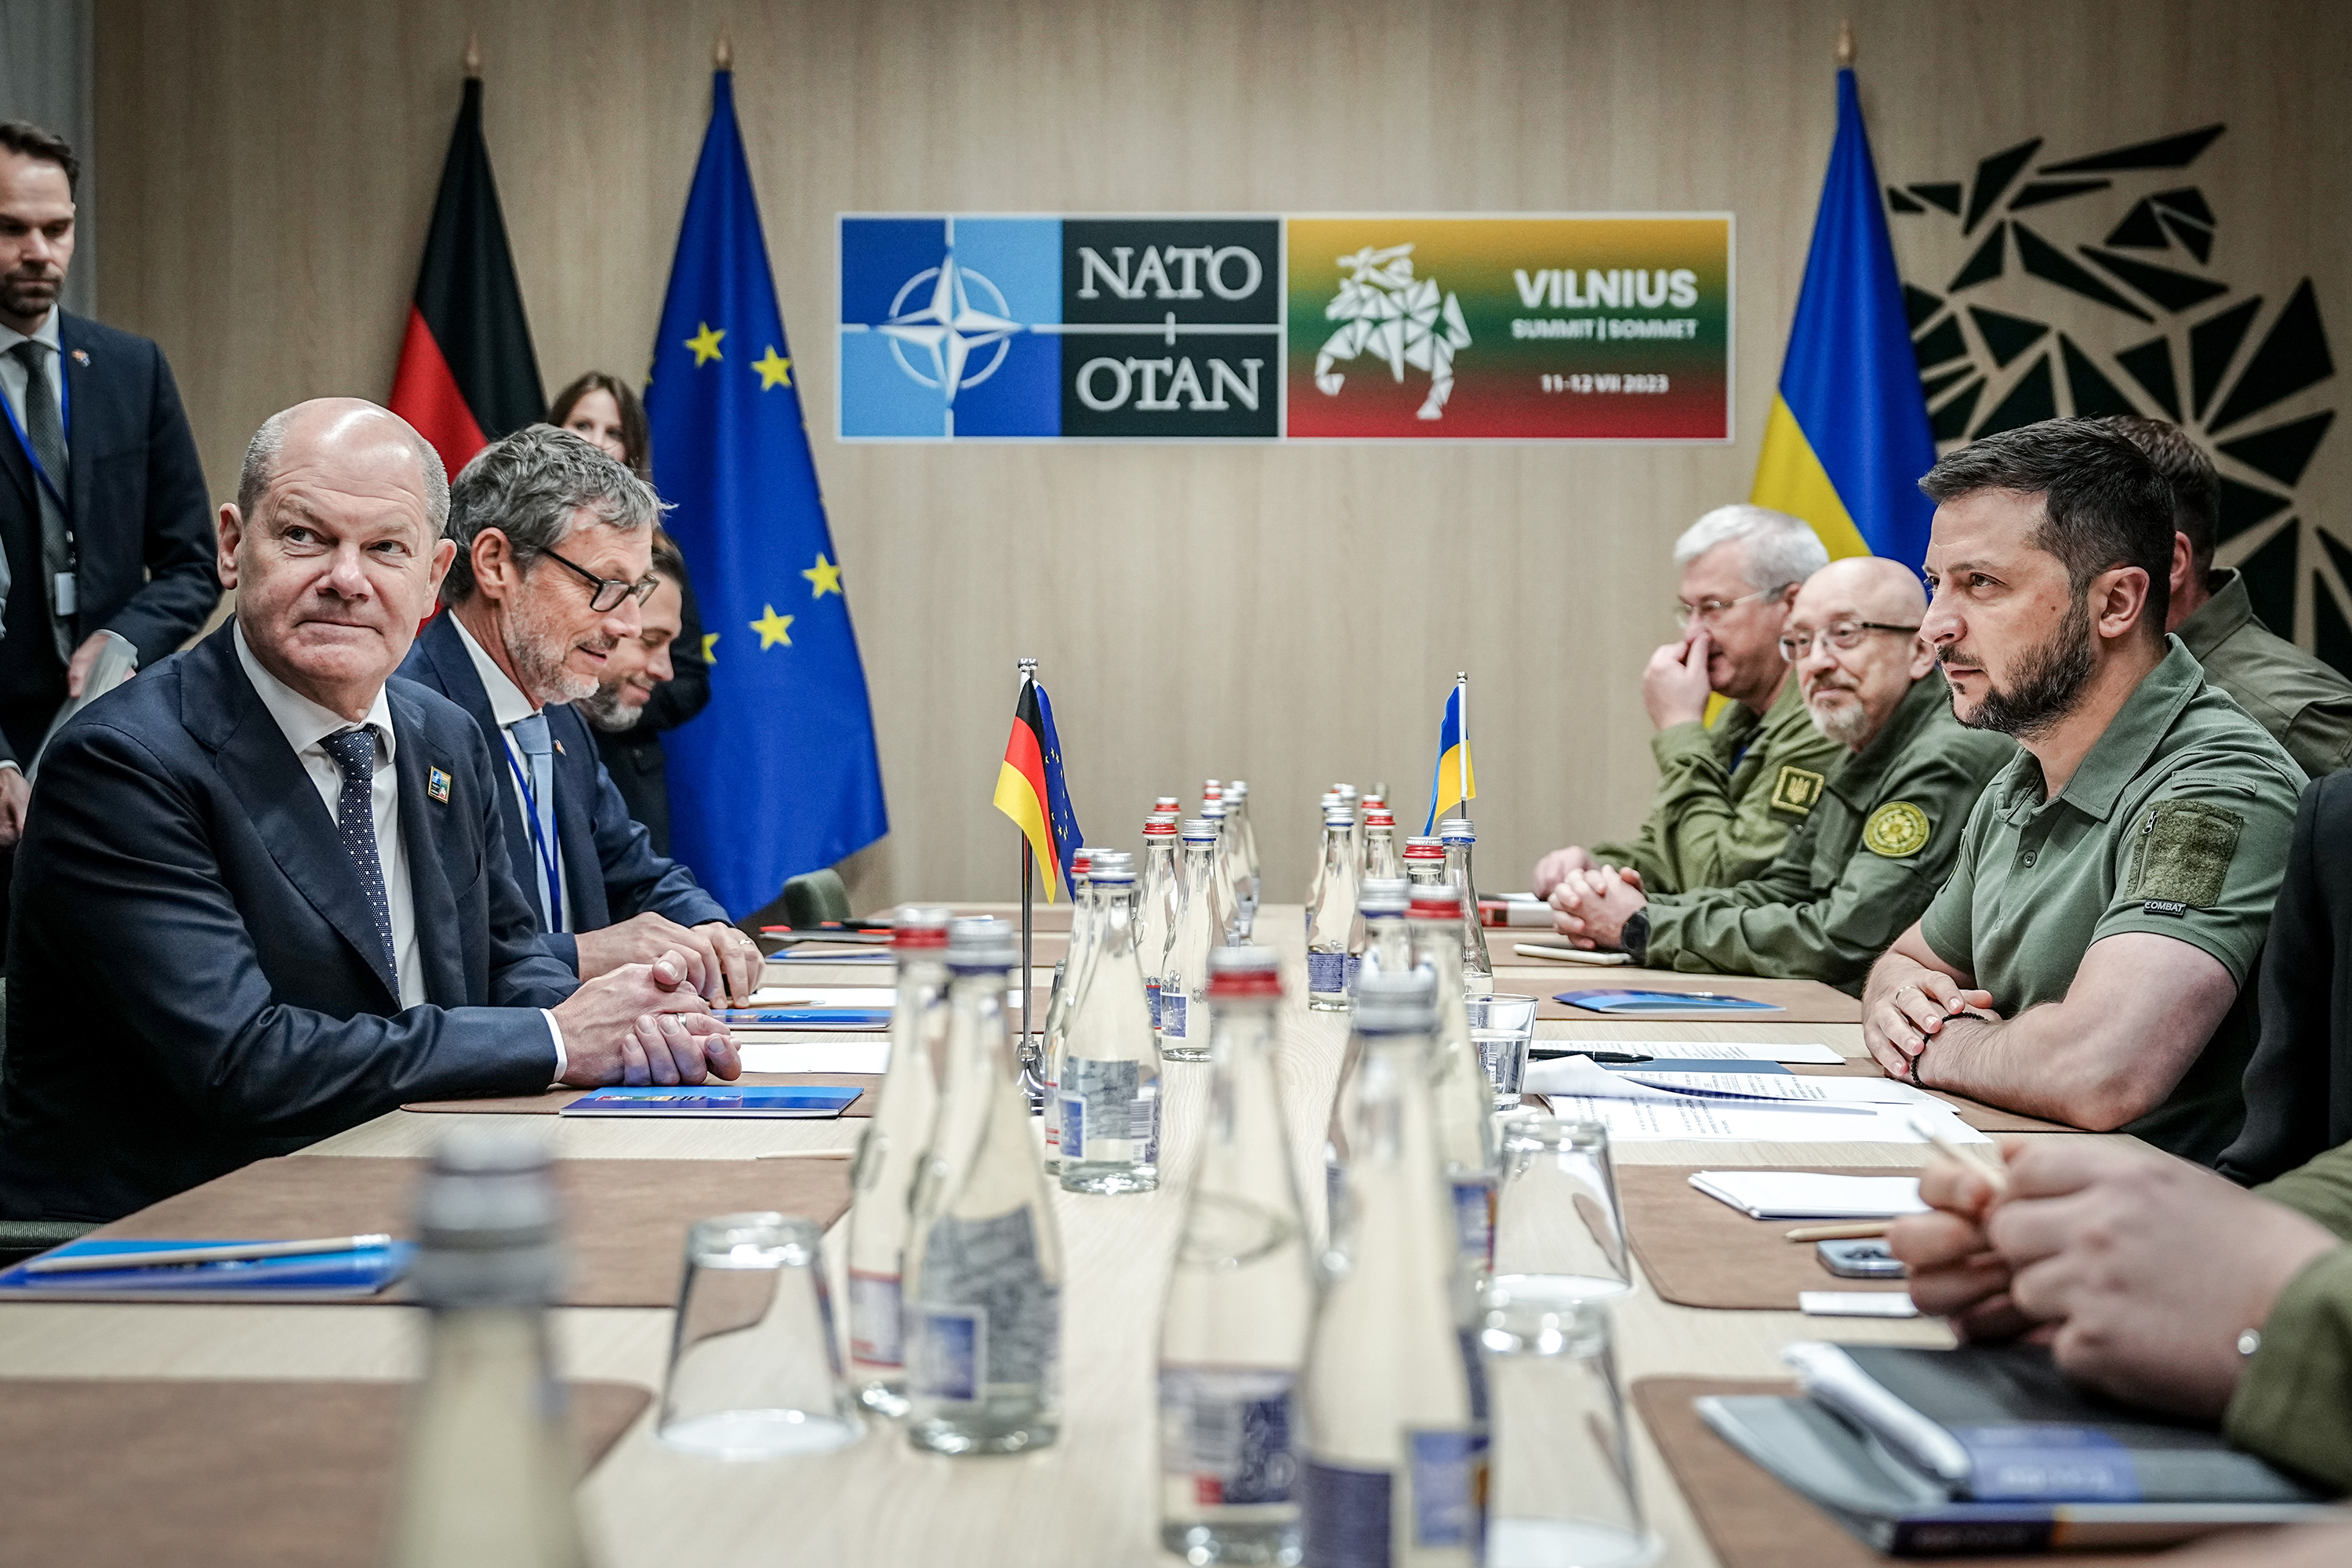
1634,1003
806,1102
307,1277
804,1018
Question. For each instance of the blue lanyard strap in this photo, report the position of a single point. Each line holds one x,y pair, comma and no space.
65,427
538,844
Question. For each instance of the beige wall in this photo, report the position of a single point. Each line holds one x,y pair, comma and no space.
1289,615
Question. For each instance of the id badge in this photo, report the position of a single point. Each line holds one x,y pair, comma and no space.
65,594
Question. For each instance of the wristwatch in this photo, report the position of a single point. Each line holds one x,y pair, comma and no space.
1635,936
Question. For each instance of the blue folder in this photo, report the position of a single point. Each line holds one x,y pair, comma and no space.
804,1018
306,1277
1635,1004
804,1102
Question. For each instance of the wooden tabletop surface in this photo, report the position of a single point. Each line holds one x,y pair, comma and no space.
1087,1502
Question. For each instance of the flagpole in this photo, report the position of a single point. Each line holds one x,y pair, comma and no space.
1036,1081
1462,742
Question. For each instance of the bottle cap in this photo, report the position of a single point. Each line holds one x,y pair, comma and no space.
1213,789
1372,800
1383,896
1167,803
1457,831
1346,791
981,941
1403,1003
1081,863
1420,849
1436,901
1199,830
919,926
1236,789
1339,817
1113,868
1159,824
1212,811
1238,972
1380,816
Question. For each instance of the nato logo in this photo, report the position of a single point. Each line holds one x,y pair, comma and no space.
1039,328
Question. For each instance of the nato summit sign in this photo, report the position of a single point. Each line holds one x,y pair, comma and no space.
976,327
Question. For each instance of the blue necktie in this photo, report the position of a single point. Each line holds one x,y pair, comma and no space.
354,754
539,752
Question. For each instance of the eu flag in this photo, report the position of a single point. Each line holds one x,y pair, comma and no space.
778,775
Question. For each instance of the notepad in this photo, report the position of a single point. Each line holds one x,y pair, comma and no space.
1636,1003
806,1053
813,1103
309,1277
1810,1194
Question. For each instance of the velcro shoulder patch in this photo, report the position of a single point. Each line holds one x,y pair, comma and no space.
1795,789
1897,830
2185,850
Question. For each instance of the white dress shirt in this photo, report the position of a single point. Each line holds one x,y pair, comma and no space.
510,707
306,726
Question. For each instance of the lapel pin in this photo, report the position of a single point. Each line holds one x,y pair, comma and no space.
560,750
436,785
81,358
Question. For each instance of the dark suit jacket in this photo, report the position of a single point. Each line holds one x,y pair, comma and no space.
634,756
195,980
612,868
142,520
2298,1085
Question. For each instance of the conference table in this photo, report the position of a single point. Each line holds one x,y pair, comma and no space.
1091,1501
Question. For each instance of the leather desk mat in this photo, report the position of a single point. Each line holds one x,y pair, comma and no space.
554,1100
1754,1521
1697,1252
624,1221
127,1473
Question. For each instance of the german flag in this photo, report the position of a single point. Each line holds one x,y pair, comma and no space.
1030,789
467,374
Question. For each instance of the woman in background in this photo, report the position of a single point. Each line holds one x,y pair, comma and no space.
602,408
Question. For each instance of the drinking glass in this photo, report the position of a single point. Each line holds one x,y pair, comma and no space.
754,1371
1502,1026
1558,1232
1563,1492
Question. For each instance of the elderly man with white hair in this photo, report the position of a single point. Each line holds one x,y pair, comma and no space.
1729,794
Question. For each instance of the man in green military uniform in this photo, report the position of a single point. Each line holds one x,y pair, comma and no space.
1882,833
2161,1283
1729,794
2115,883
2306,705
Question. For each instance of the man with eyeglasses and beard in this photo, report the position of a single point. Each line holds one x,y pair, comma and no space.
2086,963
1877,844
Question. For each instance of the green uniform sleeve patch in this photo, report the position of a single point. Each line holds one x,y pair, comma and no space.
1795,789
1897,830
2185,849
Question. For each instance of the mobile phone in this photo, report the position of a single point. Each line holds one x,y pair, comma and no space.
1865,1259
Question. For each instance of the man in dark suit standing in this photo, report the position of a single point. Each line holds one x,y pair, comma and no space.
263,888
102,506
655,684
554,557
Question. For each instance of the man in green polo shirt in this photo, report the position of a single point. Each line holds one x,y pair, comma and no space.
1876,845
2086,963
2306,705
1729,794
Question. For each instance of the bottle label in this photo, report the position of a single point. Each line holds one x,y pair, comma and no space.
1152,998
1229,1431
984,1313
1344,1516
1473,1220
1175,1016
876,1327
1327,973
1104,1100
1449,1487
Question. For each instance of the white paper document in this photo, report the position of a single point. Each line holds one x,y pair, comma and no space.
1857,1304
825,996
1810,1194
1803,1053
870,1053
1582,1075
1644,1121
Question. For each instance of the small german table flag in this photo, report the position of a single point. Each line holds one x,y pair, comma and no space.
1030,789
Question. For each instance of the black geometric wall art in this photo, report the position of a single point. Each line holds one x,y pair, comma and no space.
2140,230
2188,202
1993,175
1934,386
2331,639
2151,365
2094,396
2282,452
1901,203
2045,260
2293,355
2042,191
2270,576
1919,306
2176,292
2175,151
2006,336
1950,422
1986,264
1943,343
2244,508
1944,193
2029,402
2212,344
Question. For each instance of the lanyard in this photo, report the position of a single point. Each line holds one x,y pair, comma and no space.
540,846
65,427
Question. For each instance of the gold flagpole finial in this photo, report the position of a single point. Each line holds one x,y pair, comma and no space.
1845,45
473,56
722,56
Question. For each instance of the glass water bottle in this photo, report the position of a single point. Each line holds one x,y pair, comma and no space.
1109,1103
1478,971
1160,893
1331,923
1464,1097
1200,927
1247,883
1068,976
1232,934
1323,809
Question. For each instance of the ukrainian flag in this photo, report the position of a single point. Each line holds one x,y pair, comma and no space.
1848,437
1456,780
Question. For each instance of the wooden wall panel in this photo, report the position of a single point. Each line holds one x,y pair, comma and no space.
1290,615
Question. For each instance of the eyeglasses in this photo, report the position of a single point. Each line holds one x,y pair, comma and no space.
606,593
1840,634
1710,610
